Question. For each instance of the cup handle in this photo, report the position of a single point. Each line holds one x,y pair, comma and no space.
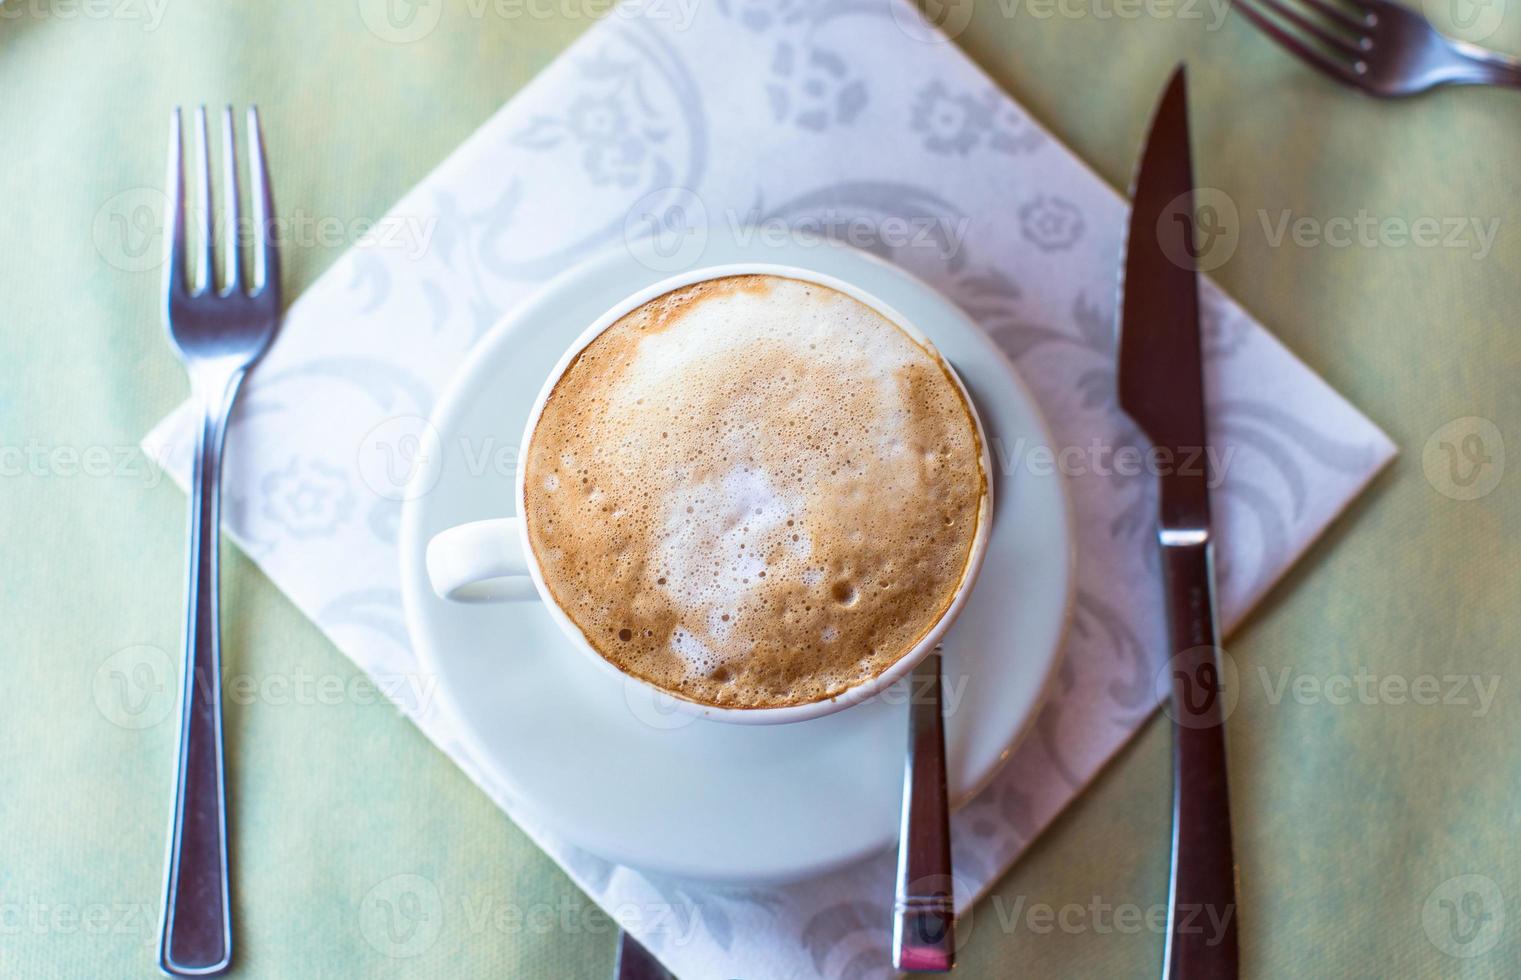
480,562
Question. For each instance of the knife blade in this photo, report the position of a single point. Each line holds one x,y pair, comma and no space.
1161,377
1161,388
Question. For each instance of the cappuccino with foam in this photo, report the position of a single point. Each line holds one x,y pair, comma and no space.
754,492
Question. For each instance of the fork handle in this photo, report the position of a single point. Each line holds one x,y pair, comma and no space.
197,922
1484,67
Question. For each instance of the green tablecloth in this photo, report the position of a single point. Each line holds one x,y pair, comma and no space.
1352,819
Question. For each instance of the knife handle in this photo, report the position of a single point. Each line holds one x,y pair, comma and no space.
1201,914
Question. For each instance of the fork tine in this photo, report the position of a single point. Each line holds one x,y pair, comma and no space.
1339,15
174,190
1329,38
234,257
266,254
204,272
1294,45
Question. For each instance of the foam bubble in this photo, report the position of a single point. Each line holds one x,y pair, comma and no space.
694,654
717,535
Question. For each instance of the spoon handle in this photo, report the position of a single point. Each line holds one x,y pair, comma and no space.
924,910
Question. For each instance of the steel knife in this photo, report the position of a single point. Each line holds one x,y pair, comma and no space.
1161,388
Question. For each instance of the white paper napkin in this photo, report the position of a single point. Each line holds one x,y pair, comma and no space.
859,120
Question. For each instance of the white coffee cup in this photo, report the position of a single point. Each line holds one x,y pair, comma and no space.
492,561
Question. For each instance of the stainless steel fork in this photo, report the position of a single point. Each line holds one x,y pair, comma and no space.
219,333
1378,46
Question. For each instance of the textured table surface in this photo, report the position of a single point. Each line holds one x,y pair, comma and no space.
1379,241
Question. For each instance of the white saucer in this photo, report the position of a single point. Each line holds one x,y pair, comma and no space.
642,784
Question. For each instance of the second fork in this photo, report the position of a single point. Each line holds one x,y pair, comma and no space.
1377,46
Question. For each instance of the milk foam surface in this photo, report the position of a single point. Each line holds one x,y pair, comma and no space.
754,492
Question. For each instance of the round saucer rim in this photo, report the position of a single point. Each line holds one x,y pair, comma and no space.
466,383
